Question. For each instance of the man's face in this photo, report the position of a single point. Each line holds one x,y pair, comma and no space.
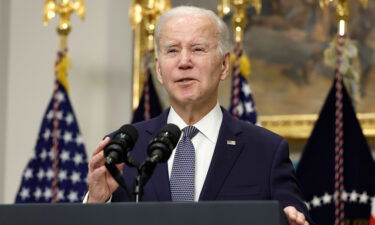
189,64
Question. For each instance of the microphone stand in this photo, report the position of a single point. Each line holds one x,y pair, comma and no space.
116,174
138,189
144,173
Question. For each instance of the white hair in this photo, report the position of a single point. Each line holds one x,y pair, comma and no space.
222,29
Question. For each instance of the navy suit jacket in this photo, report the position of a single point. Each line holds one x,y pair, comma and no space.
257,167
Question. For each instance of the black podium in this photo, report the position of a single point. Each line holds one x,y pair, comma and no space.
149,213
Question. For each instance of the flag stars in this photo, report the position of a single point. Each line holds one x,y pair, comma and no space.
75,177
64,156
249,107
38,193
344,196
60,97
47,193
69,118
58,158
25,193
77,159
40,174
79,139
67,137
63,175
43,155
353,196
52,114
363,198
60,195
51,155
73,196
46,134
28,174
246,89
316,201
49,174
49,115
240,109
326,198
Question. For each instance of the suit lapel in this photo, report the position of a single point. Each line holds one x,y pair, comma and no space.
160,179
228,148
160,182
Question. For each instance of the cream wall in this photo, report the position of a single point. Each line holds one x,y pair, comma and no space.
4,21
100,48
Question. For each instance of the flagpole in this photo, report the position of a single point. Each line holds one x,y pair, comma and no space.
64,9
339,140
143,15
342,17
239,23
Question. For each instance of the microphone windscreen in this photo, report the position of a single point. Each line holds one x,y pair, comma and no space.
129,130
174,132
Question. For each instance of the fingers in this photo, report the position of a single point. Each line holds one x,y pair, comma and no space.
294,216
301,218
291,213
98,188
97,159
101,184
97,175
101,145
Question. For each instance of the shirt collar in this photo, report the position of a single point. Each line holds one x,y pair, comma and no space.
209,125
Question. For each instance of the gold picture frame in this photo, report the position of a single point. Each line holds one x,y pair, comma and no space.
294,127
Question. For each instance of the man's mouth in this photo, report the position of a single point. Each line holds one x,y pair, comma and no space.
185,80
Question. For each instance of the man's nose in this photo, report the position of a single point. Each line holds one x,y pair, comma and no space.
185,61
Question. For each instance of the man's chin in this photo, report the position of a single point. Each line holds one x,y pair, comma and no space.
185,101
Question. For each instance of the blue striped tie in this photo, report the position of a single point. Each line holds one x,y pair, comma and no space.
183,170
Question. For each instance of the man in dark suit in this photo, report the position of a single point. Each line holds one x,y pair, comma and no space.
232,160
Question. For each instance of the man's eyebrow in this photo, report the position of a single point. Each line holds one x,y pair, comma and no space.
170,44
205,43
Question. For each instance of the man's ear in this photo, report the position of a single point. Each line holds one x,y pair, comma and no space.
158,72
225,66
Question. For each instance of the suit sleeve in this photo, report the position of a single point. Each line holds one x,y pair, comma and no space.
284,186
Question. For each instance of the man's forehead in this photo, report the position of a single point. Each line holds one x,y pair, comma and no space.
188,22
182,29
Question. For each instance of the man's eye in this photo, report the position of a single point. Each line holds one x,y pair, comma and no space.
171,50
198,49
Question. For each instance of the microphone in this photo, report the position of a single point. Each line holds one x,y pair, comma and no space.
122,142
160,148
117,151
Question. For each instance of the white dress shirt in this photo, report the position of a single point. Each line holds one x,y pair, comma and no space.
204,143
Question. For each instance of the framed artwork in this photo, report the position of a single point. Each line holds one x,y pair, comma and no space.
289,78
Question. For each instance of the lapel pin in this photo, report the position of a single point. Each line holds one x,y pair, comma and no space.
231,142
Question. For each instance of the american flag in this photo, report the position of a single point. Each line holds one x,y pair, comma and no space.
149,104
316,169
242,104
58,169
